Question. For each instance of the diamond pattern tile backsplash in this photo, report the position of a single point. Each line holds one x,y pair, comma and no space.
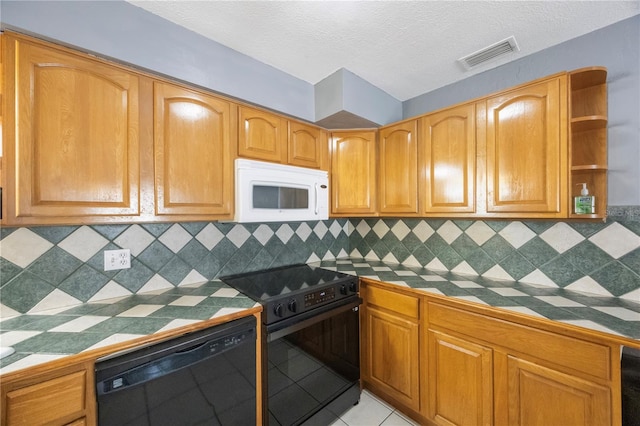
597,258
49,267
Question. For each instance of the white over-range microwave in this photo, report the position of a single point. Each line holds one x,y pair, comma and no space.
269,192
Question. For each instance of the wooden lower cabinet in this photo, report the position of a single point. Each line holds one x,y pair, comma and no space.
447,362
539,395
460,383
390,346
62,397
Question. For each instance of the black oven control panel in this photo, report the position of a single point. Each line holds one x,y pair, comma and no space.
320,296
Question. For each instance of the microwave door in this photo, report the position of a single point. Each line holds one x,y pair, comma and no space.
280,197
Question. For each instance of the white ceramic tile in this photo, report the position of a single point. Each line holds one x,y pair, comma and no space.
188,301
436,265
618,312
406,273
345,262
313,258
113,339
368,412
464,268
522,310
400,230
423,231
431,290
194,277
633,296
480,232
396,419
304,231
339,422
538,277
590,325
559,301
83,243
381,268
466,284
497,273
335,228
390,258
449,232
11,338
320,230
209,236
284,233
110,291
175,238
587,284
433,278
79,324
411,261
140,311
380,228
23,246
6,312
176,323
508,292
157,283
263,234
135,238
363,228
471,299
517,234
226,311
360,265
226,292
561,237
56,299
30,361
616,240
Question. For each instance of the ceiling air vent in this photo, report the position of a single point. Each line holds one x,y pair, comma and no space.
489,53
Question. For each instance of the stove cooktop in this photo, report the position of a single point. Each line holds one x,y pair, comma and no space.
291,290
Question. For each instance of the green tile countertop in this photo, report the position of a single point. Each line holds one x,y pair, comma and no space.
49,335
607,314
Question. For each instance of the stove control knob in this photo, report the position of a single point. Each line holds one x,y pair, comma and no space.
343,289
278,310
352,287
293,305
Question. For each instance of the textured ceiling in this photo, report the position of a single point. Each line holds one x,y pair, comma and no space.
405,48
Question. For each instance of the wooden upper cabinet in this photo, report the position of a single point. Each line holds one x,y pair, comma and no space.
353,173
192,151
262,135
448,161
71,142
526,150
398,169
308,146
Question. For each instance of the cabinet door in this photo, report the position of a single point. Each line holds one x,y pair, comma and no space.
460,381
353,173
540,396
308,146
392,360
193,161
261,135
527,150
398,181
448,161
72,147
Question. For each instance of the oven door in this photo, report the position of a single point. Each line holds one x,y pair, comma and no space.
313,366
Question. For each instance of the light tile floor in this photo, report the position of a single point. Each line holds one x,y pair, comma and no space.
372,411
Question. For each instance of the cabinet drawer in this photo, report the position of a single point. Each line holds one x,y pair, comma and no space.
396,302
572,353
48,402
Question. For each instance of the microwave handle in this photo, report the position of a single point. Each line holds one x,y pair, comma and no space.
317,211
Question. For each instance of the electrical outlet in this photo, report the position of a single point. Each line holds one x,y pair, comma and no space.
117,259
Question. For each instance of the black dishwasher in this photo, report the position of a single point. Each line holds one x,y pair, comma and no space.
203,378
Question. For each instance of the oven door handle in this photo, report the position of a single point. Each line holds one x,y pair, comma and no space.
291,325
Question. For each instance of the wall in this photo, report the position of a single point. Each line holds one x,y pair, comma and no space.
119,30
615,47
52,266
596,258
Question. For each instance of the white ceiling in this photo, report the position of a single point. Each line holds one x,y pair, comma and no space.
405,48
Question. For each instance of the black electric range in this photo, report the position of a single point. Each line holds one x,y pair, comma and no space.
293,290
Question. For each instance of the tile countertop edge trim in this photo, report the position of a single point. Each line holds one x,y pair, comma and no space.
139,342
